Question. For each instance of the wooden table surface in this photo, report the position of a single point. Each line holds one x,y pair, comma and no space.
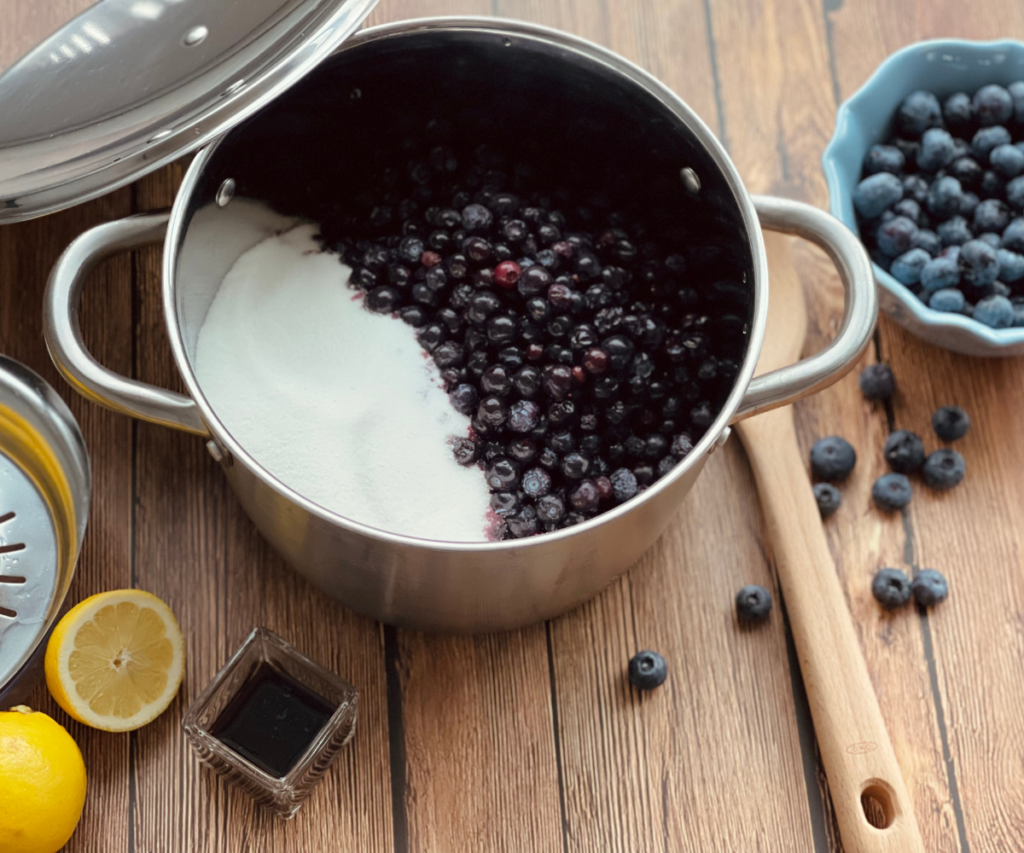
532,741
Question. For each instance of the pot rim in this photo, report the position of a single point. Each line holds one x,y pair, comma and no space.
589,51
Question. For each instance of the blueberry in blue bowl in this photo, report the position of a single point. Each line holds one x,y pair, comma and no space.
927,166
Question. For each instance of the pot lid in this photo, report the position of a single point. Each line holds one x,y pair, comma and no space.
130,85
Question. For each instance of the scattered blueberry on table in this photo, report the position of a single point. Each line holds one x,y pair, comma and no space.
647,670
877,381
832,458
950,423
904,451
891,588
891,492
941,203
828,498
943,469
929,588
753,604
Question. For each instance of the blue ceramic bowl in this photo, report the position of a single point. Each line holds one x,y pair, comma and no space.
943,67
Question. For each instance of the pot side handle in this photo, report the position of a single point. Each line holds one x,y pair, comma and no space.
788,384
63,333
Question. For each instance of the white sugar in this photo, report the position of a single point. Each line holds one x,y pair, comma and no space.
338,403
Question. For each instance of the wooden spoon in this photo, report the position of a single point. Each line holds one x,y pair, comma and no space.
855,748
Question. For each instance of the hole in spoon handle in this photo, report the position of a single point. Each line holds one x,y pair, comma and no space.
878,802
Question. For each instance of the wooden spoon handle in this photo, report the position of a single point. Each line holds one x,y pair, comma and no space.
855,747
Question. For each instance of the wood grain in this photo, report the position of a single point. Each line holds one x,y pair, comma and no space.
973,646
196,549
660,772
27,252
532,740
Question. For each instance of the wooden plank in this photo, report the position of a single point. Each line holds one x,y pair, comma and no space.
25,23
473,735
776,143
27,253
720,738
970,648
196,549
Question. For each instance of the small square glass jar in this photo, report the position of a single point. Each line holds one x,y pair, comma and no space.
264,649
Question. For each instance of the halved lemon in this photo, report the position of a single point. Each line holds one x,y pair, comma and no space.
115,661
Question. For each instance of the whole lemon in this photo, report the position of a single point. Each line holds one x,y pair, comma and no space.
42,782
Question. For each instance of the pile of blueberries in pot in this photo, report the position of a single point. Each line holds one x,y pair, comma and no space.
941,203
589,356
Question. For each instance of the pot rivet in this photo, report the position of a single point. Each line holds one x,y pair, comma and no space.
507,42
220,456
226,192
195,36
690,180
722,439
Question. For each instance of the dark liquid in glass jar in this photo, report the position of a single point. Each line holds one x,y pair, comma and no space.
272,720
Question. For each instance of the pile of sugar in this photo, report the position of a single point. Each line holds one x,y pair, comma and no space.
340,404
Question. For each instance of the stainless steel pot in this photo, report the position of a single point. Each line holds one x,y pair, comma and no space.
414,582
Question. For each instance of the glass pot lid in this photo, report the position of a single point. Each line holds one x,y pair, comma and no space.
130,85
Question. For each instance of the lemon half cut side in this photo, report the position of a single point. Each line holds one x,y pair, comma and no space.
116,660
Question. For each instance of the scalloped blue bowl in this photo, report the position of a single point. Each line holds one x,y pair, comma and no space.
943,66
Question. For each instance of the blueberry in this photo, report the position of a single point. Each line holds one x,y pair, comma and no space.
950,423
647,670
550,509
465,451
978,263
1018,312
991,215
968,204
927,240
949,300
896,236
991,105
954,231
383,299
1015,194
967,171
502,474
624,484
919,111
1011,265
995,312
877,382
1013,234
943,197
832,458
586,496
523,416
753,604
476,218
993,239
916,188
906,269
988,138
940,273
992,186
1016,91
957,110
929,588
891,588
536,482
904,451
1007,161
944,468
891,492
884,158
828,498
877,192
936,151
909,208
